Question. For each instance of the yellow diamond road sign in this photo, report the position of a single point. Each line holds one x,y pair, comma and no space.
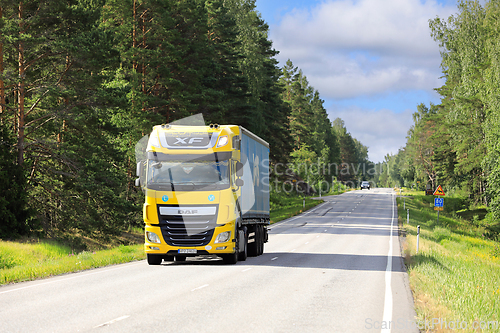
439,191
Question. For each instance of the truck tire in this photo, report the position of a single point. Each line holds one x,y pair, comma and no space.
262,235
154,259
242,256
230,259
253,247
257,247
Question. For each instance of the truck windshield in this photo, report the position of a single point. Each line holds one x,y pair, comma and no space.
188,176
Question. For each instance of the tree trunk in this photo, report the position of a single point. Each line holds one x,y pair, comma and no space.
2,85
134,35
21,92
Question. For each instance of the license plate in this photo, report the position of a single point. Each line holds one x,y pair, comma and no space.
187,251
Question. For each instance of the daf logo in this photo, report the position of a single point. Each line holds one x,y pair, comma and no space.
190,142
187,211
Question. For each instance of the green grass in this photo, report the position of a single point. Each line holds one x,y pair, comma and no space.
456,273
30,261
290,207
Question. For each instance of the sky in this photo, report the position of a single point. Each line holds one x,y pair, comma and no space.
372,61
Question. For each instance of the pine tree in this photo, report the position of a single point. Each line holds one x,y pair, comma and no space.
348,154
225,86
13,199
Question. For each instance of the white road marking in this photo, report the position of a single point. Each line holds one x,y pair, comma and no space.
246,270
112,321
201,287
387,316
274,258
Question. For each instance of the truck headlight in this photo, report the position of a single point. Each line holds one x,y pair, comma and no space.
223,140
152,237
223,237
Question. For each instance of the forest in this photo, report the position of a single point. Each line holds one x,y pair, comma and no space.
456,144
81,81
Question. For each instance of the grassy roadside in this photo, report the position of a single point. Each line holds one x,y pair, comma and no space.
455,276
292,206
30,261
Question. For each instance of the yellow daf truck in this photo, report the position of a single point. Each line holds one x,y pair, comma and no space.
207,193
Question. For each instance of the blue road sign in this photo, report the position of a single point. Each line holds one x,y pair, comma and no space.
438,202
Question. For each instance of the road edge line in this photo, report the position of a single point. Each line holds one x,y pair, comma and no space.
387,314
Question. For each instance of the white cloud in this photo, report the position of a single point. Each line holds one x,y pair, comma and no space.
383,131
350,48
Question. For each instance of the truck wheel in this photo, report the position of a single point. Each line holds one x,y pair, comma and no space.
154,259
259,240
242,256
262,234
230,259
253,248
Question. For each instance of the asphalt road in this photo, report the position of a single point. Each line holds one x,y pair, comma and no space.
336,268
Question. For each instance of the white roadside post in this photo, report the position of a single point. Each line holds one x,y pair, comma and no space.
418,236
408,216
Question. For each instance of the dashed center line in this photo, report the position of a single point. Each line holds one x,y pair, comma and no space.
274,258
201,287
112,321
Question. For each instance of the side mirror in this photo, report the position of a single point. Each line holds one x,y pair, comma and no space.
239,169
138,170
239,182
138,182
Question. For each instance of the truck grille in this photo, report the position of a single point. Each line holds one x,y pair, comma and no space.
187,226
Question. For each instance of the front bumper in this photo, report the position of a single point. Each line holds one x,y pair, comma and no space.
211,248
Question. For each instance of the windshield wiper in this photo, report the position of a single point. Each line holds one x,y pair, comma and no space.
161,186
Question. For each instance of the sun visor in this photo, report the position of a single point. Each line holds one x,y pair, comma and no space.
213,157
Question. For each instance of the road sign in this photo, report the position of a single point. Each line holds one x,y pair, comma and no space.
439,191
438,204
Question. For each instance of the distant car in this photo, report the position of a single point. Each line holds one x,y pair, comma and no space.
365,184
